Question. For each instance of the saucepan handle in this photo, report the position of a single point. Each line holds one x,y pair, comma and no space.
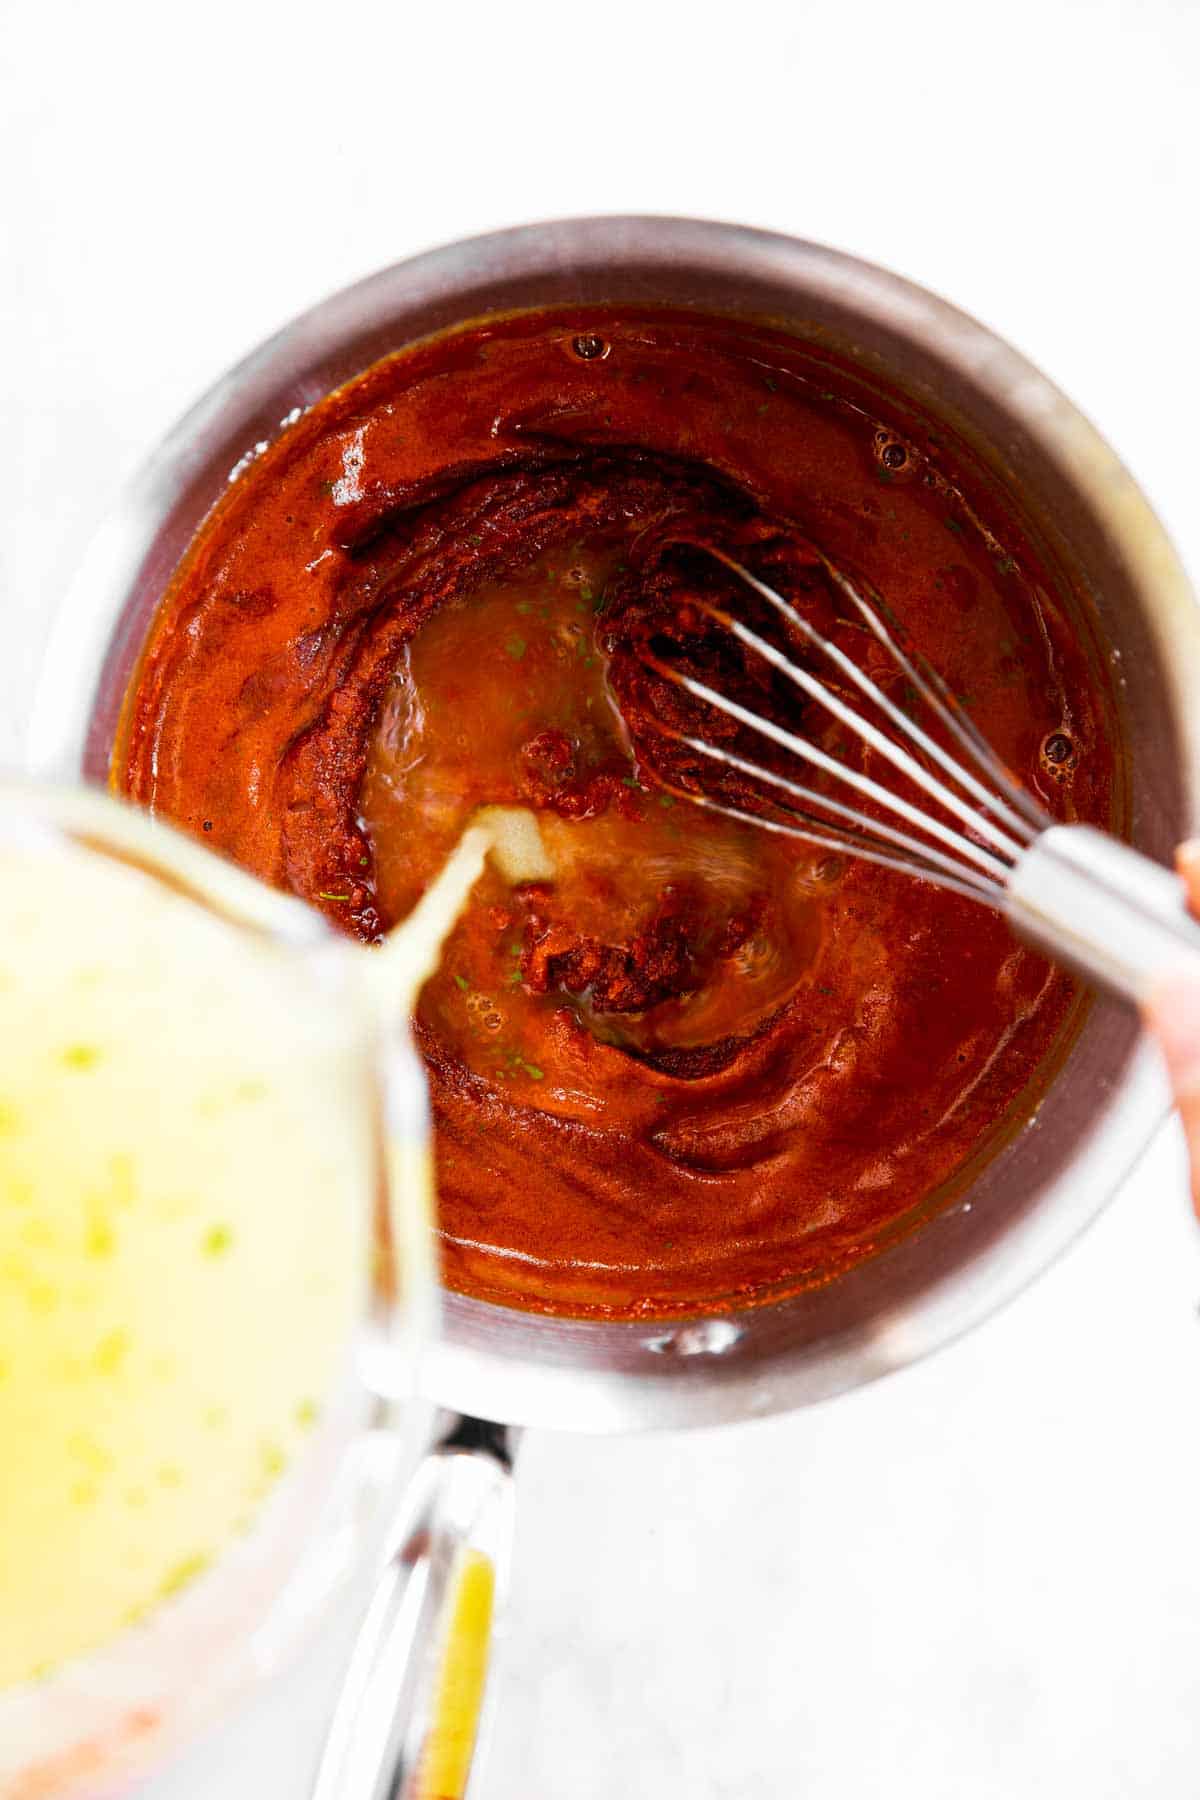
406,1726
1112,914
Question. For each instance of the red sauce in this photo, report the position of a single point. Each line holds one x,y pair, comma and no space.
703,1064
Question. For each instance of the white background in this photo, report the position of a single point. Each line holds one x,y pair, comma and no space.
981,1577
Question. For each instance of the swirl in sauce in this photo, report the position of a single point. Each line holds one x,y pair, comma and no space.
701,1064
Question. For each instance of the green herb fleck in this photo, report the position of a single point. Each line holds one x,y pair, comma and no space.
323,895
110,1352
274,1461
953,525
99,1239
462,982
532,1070
516,648
631,781
1006,565
474,540
217,1240
182,1574
666,799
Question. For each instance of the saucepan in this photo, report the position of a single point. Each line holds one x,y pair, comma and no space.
1106,1096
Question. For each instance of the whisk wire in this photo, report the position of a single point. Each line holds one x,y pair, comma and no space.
994,824
933,860
820,759
1014,804
1018,832
960,883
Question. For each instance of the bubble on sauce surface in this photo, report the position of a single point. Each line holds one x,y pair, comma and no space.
1058,756
893,455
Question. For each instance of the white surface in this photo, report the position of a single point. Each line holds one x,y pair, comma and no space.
981,1577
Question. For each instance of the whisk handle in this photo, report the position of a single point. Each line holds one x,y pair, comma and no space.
1108,912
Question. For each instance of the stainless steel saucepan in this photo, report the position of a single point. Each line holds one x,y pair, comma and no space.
1024,1205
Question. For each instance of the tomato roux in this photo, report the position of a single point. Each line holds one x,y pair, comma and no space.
702,1064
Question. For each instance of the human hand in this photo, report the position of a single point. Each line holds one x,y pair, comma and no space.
1173,1015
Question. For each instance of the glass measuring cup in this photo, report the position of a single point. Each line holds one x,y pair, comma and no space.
215,1274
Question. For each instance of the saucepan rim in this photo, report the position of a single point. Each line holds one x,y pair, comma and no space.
593,1375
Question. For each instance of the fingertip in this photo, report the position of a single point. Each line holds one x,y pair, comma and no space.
1173,1014
1187,861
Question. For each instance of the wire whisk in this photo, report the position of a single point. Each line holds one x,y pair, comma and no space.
1089,900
